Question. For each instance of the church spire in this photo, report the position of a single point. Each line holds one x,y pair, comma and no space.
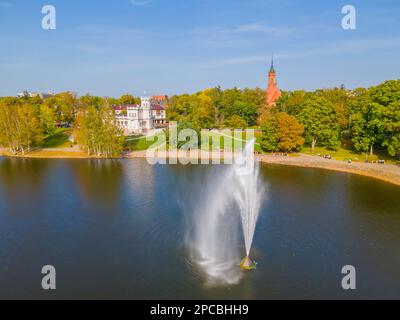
272,70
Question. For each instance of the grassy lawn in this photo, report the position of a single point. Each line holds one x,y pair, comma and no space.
135,143
345,155
138,143
222,141
58,140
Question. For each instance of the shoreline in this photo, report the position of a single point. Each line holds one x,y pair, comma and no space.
389,173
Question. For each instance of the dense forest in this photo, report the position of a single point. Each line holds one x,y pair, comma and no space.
364,120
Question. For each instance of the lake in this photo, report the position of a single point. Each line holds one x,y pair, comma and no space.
115,229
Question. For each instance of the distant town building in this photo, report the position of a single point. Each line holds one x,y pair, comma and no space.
141,119
273,92
27,94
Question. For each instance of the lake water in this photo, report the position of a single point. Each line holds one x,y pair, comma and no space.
115,229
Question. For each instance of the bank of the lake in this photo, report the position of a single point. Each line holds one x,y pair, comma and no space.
385,172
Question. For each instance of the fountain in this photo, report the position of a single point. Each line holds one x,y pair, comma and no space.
248,195
247,264
222,204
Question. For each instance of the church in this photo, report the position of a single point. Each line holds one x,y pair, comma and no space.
273,92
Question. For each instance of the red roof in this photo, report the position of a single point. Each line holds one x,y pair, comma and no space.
124,107
157,107
160,97
119,108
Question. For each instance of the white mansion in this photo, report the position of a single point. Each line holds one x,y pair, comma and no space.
143,118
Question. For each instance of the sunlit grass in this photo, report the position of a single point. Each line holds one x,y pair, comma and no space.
58,140
140,143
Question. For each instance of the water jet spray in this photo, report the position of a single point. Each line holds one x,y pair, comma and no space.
230,200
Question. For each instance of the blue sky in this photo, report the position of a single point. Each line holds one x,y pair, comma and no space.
112,47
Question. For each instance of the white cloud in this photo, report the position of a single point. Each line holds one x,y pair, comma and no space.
261,28
140,2
341,47
238,36
244,29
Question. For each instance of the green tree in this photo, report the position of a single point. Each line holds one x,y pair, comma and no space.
376,118
28,129
292,102
204,116
47,120
64,105
98,133
269,139
320,122
128,99
20,128
181,126
235,122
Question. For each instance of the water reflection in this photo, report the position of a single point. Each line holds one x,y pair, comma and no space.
99,181
22,184
115,229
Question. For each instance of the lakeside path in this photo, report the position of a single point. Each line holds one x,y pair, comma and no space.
386,172
51,153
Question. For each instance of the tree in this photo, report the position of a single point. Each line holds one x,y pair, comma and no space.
98,133
47,119
204,116
87,101
320,123
339,97
8,127
282,132
386,99
128,99
246,110
291,132
292,102
28,128
64,106
235,122
20,128
376,118
269,139
391,140
181,126
211,108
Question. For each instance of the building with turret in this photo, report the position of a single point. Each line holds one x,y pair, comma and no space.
140,119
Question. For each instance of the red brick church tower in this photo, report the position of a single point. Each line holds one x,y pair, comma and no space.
273,92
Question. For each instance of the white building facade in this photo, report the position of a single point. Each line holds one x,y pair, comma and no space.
140,119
